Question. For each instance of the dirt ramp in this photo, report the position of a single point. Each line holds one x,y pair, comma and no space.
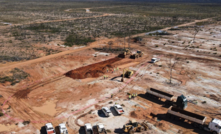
93,70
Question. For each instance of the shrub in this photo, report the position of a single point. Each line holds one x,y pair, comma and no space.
77,40
1,114
17,76
108,130
25,122
203,102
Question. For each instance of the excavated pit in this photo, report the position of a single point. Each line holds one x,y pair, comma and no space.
93,70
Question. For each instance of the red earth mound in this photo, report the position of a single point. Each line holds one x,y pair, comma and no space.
93,70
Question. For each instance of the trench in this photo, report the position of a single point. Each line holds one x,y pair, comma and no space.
93,70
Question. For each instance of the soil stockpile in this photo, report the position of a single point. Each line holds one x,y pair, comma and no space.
93,70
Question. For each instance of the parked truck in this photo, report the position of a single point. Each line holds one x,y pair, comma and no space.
118,109
196,119
62,128
99,129
180,101
49,128
106,111
88,128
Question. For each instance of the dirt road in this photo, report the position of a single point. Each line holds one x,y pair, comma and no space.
26,63
181,25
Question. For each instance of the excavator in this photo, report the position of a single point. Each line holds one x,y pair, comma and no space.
134,126
127,73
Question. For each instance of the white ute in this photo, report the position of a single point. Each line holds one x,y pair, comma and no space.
214,126
106,111
88,128
63,129
154,60
118,108
101,129
49,128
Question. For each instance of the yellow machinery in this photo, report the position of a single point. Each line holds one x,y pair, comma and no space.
133,127
137,55
127,52
127,73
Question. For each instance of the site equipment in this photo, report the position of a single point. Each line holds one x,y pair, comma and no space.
180,102
128,73
106,111
126,53
140,53
99,129
137,55
63,129
88,128
196,119
133,126
49,128
154,60
118,109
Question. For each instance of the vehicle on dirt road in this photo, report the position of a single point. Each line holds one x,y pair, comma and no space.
99,129
134,126
119,109
106,111
154,60
195,119
49,128
88,128
179,102
62,128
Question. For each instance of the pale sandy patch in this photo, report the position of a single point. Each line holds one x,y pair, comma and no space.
48,107
6,127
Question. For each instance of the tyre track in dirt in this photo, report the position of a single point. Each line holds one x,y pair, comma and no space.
22,94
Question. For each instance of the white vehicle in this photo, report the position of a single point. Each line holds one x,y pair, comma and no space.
106,111
118,108
214,126
88,128
49,128
154,60
63,129
99,129
196,119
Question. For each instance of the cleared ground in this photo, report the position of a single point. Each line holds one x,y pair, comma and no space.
66,84
197,76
